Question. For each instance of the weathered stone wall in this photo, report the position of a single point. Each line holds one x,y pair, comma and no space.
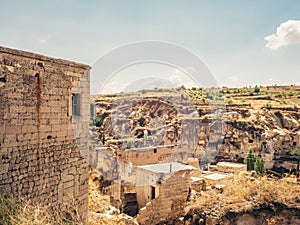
150,155
144,180
171,201
42,144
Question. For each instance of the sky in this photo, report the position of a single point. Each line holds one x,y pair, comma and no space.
241,42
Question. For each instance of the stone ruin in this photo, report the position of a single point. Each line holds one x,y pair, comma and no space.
44,125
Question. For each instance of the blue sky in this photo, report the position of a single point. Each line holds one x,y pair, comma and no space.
229,36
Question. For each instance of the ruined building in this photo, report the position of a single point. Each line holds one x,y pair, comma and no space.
162,191
44,119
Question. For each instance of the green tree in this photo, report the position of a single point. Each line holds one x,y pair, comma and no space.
249,160
256,89
97,121
260,166
296,153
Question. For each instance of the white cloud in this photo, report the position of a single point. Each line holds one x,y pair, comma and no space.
287,33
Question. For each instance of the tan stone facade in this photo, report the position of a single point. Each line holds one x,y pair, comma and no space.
147,155
162,191
43,131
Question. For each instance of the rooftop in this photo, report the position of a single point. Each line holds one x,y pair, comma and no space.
166,167
216,176
231,164
42,57
147,148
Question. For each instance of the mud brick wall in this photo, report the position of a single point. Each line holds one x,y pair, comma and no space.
42,143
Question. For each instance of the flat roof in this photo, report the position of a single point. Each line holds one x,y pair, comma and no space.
149,148
231,164
194,179
216,176
166,167
44,58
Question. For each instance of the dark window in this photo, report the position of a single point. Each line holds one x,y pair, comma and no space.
76,104
152,192
155,150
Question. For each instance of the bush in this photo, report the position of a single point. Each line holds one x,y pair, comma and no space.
236,91
268,105
129,145
143,91
229,101
97,121
256,89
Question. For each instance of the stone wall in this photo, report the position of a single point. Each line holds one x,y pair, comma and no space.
146,156
170,203
42,143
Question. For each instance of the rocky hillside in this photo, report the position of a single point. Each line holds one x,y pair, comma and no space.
214,125
244,199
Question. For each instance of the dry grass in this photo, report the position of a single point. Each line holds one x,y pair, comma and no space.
99,204
23,212
243,194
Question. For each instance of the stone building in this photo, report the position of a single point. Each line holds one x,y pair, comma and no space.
162,191
44,119
147,155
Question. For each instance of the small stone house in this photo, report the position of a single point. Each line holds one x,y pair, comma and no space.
162,191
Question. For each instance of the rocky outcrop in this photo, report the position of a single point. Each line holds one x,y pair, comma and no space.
210,132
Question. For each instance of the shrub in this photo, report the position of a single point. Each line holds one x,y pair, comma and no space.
296,153
143,91
268,105
129,145
229,101
236,91
97,121
256,89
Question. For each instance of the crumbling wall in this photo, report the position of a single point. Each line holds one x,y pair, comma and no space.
42,142
171,201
